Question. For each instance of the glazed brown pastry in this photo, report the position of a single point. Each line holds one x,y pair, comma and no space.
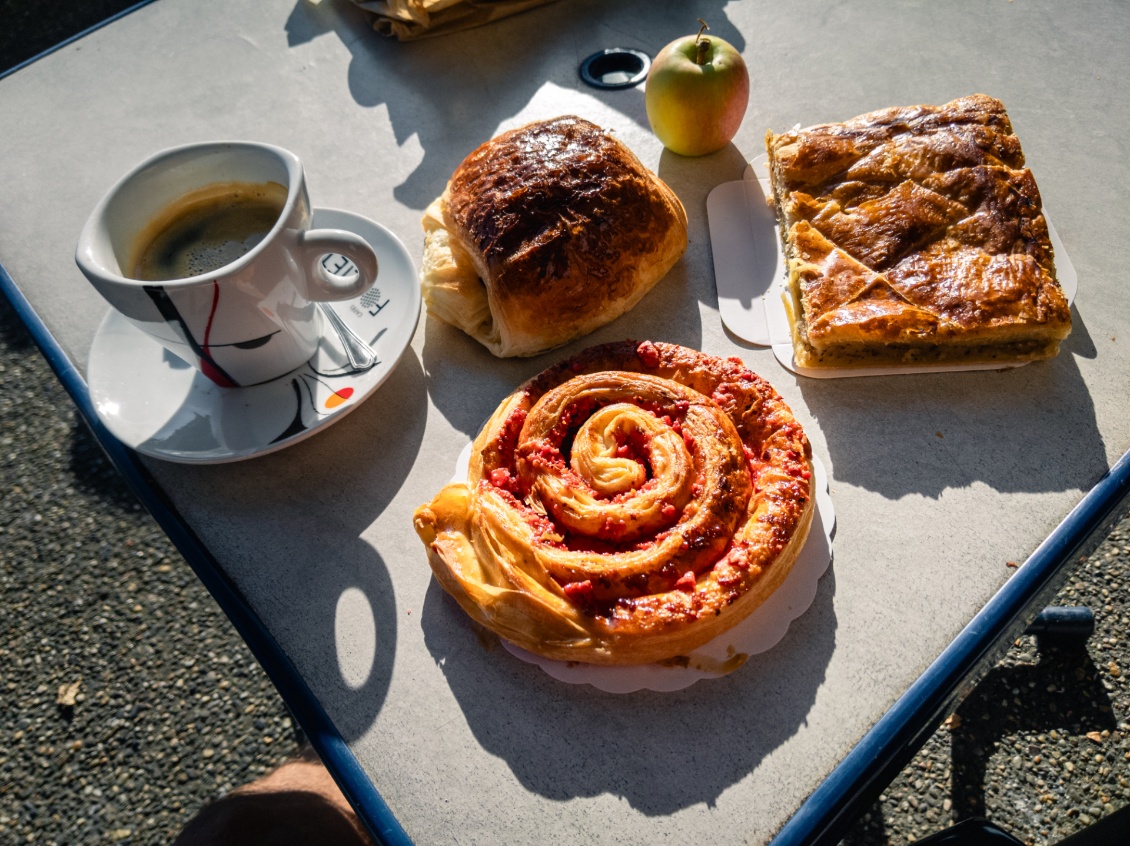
546,233
915,235
625,506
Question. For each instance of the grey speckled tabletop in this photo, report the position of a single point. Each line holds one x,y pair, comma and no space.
938,480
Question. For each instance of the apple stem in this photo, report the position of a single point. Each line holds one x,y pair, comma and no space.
703,44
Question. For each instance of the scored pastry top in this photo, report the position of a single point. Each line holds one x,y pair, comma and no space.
917,224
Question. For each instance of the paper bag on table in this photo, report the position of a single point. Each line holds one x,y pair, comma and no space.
407,20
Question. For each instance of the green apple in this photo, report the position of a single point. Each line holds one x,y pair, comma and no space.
696,95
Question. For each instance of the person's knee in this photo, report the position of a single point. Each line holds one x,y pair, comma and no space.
296,804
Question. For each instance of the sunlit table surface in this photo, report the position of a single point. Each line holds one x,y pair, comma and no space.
938,480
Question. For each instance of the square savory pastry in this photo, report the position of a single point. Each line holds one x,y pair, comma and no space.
915,235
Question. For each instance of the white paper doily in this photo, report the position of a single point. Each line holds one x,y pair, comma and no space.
759,632
749,273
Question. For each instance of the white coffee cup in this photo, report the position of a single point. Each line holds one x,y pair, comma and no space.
248,321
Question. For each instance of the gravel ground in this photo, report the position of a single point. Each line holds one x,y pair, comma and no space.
28,27
168,708
129,700
1042,746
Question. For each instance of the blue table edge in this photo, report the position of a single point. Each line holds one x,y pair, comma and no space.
826,815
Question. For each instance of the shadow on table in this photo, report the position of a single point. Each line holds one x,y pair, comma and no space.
334,604
441,90
351,666
1030,429
453,360
661,752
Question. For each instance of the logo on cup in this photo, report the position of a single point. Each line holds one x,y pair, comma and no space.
339,265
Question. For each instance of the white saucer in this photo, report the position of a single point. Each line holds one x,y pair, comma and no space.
165,408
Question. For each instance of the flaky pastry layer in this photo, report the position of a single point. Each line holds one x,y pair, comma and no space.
625,506
544,234
915,235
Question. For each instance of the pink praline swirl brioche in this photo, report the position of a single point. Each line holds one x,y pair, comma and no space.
625,506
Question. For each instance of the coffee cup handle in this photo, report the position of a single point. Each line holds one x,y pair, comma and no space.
323,284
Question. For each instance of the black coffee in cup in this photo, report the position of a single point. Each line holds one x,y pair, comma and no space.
206,229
